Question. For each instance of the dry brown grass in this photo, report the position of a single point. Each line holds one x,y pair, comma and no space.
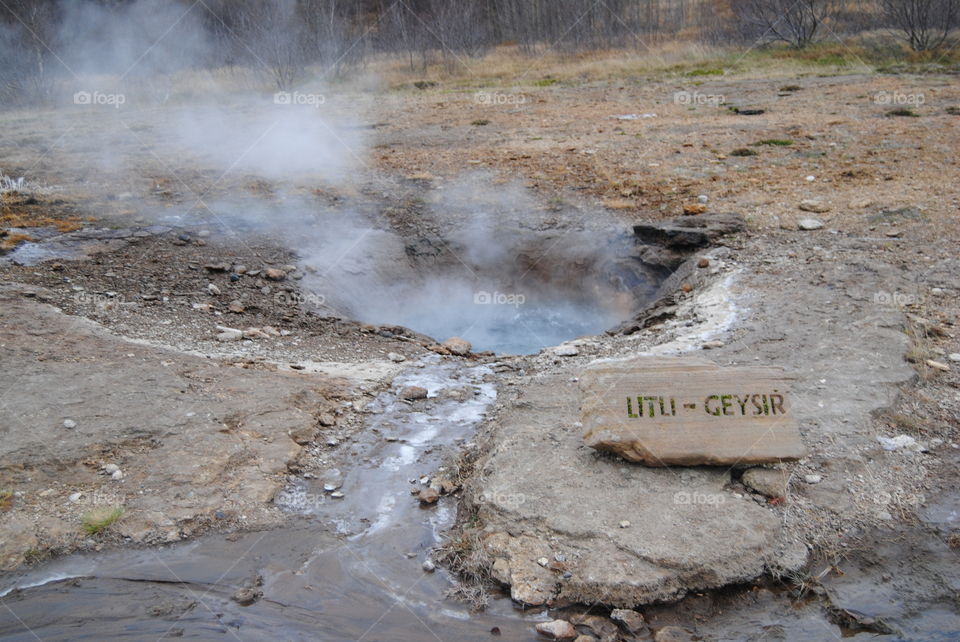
10,241
31,218
508,66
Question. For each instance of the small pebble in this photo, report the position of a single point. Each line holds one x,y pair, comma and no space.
212,289
69,423
954,356
812,479
428,566
74,498
117,475
110,468
624,524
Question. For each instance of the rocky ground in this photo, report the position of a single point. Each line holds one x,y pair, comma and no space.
182,371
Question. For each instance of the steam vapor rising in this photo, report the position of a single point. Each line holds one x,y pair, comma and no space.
497,274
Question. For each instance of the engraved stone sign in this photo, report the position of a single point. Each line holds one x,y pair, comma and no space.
679,411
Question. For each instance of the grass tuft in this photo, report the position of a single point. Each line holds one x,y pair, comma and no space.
775,142
903,111
100,519
743,151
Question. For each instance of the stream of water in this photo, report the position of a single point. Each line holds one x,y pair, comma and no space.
349,569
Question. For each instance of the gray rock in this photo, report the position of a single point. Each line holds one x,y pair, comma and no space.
766,481
809,224
813,479
396,357
566,351
246,596
69,423
631,621
688,232
230,335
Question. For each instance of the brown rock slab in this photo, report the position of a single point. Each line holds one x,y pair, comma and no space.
457,346
689,412
412,393
557,630
813,205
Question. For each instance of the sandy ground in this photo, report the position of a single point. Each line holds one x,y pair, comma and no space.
857,307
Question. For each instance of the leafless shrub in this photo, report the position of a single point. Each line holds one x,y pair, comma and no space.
27,41
796,22
924,24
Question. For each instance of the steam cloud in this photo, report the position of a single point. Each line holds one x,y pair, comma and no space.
500,272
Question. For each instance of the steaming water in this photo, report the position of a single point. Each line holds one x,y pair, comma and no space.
517,323
523,329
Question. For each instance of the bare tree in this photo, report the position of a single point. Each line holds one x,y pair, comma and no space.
28,31
796,22
926,24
